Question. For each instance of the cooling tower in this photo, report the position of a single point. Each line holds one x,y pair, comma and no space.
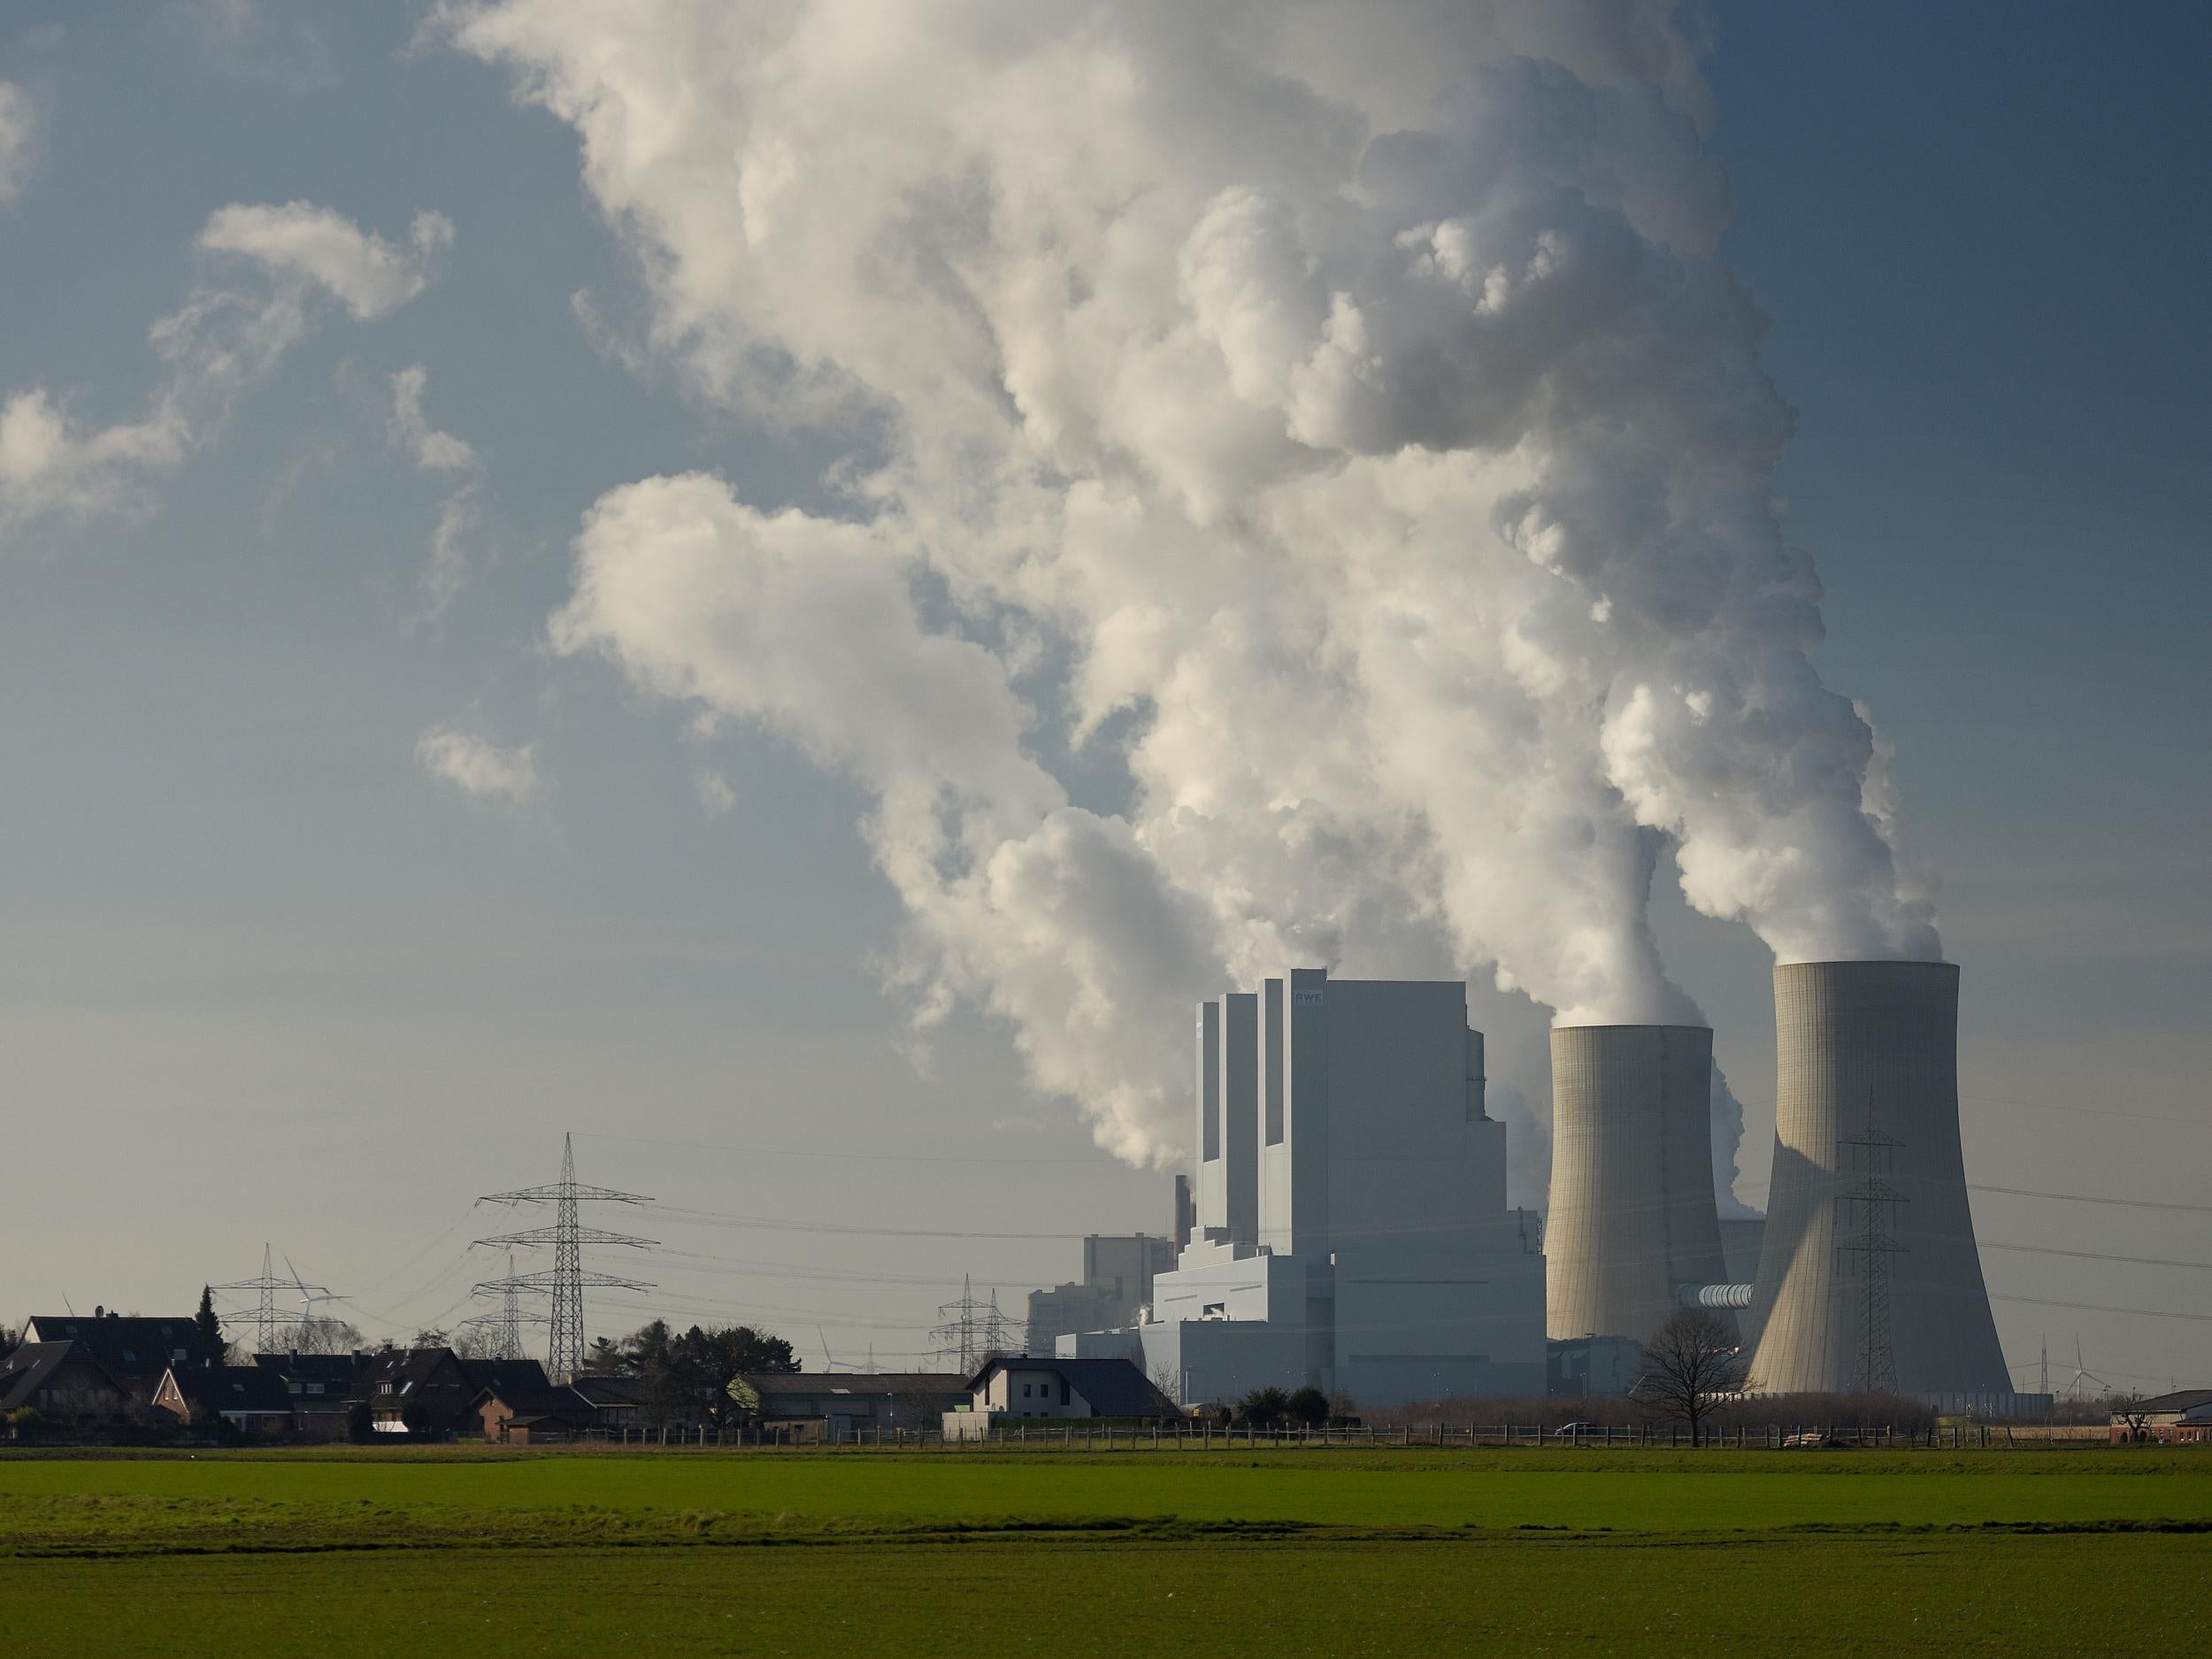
1631,1177
1869,1261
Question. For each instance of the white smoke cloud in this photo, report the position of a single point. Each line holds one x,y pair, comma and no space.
19,140
275,263
1347,395
434,451
478,766
370,276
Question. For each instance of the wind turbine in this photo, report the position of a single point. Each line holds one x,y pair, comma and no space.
2083,1374
309,1295
828,1361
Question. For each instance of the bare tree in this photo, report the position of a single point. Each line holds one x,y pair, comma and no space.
2128,1416
1690,1367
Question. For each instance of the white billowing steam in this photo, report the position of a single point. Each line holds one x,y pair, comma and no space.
1335,410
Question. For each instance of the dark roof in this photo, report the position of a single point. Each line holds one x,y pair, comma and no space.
405,1369
611,1391
2185,1399
506,1373
32,1366
323,1368
231,1388
875,1383
127,1348
1115,1387
536,1400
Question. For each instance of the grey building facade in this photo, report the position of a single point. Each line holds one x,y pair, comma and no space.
1351,1231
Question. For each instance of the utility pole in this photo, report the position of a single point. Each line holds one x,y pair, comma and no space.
565,1238
1870,1245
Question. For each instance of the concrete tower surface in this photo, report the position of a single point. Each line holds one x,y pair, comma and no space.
1632,1215
1868,1272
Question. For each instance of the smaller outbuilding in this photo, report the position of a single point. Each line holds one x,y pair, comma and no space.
1008,1390
833,1407
527,1414
2185,1415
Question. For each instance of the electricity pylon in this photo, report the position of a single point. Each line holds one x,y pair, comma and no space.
565,1238
266,1320
973,1331
499,1335
1873,1244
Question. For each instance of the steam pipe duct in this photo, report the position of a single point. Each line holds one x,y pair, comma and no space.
1709,1296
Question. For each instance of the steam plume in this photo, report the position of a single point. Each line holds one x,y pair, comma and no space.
1335,412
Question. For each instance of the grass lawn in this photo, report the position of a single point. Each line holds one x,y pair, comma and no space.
1275,1553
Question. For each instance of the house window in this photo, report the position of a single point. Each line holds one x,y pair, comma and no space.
1024,1391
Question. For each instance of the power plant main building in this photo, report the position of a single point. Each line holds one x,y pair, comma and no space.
1351,1230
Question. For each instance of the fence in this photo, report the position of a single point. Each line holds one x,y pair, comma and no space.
1095,1436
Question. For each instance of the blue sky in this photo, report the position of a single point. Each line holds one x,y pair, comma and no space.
271,980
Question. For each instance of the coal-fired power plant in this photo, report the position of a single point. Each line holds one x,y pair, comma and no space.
1869,1277
1350,1230
1632,1217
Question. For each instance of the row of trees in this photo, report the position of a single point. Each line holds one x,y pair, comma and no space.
696,1374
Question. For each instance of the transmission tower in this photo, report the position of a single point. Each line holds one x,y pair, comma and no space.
499,1335
1872,1201
566,1282
267,1321
970,1330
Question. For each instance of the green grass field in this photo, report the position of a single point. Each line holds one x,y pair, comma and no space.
1284,1552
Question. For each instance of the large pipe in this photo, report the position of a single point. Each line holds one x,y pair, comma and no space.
1707,1297
1631,1177
1869,1274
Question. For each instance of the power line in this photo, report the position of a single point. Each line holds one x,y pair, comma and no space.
2084,1198
2095,1255
835,1154
768,1224
2099,1307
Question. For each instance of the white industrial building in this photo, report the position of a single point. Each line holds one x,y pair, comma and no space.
1351,1229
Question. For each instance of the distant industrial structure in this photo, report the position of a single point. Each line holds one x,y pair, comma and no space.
1350,1228
1115,1289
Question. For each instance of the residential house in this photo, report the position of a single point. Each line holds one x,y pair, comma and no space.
251,1399
2182,1416
419,1390
321,1386
1055,1390
617,1402
133,1351
61,1381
